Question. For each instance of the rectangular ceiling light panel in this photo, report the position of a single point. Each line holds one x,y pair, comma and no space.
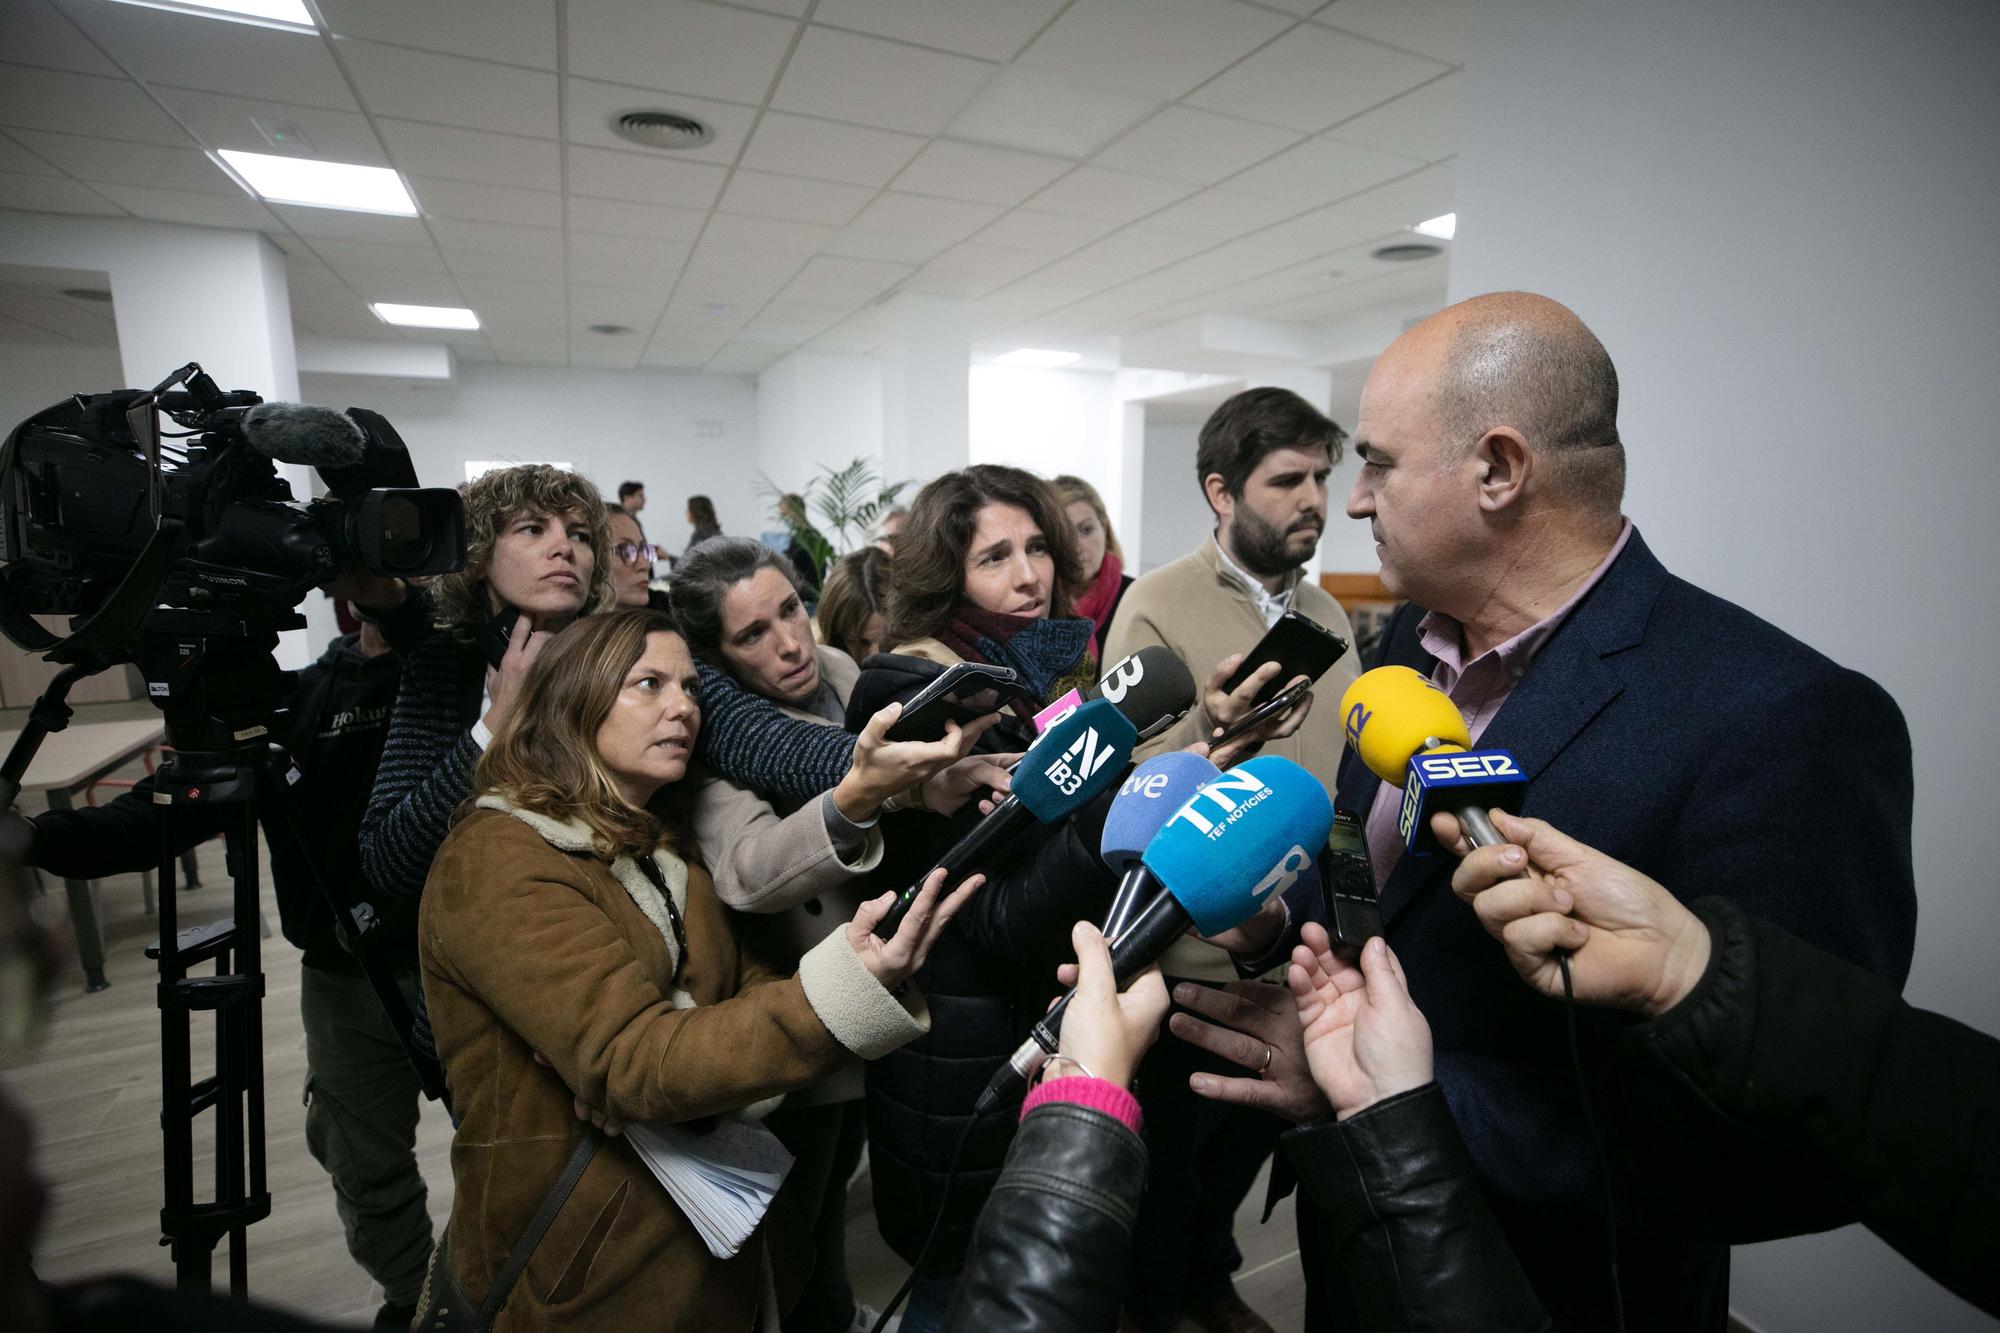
425,316
316,184
1443,226
267,13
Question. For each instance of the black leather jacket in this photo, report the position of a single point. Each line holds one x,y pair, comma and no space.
1050,1249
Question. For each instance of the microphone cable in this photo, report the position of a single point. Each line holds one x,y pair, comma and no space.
1596,1140
937,1225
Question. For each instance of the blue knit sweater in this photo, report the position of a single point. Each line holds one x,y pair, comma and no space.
755,744
427,761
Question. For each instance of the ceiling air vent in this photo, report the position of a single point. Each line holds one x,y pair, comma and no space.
1409,250
661,129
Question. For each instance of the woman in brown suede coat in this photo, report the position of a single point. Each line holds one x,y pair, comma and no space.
542,934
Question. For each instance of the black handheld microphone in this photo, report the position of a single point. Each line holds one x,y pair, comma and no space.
1241,838
1066,767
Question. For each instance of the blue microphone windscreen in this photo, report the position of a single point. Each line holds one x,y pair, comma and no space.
1074,760
1147,800
1243,837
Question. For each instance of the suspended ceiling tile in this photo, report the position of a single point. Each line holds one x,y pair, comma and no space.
644,179
37,34
1311,78
614,305
829,150
451,90
829,277
875,82
1223,213
593,106
341,224
1320,171
221,121
472,202
199,209
68,103
497,238
700,49
125,163
19,160
1114,196
474,265
404,288
1000,263
1422,123
979,172
1201,147
619,217
473,155
53,194
986,29
1436,28
519,32
1408,200
177,50
921,215
1154,48
654,272
896,246
1047,233
764,194
777,234
371,255
1047,113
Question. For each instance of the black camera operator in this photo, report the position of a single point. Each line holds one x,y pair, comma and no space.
362,1094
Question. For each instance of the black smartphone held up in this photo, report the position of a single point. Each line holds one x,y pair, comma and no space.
1282,702
1302,647
965,692
498,635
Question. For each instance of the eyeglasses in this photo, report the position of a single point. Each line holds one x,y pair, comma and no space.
636,553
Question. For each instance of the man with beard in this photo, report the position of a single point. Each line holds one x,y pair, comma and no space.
1262,462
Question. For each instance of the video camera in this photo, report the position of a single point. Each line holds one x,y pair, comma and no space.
105,518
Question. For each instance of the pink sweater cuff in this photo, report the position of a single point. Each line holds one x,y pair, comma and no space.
1095,1093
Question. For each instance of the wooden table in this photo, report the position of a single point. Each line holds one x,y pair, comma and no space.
68,762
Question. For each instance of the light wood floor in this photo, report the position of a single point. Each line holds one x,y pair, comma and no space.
93,1089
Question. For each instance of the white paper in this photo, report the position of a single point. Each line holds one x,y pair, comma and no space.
723,1180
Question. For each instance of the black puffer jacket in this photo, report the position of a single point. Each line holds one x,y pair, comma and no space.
989,977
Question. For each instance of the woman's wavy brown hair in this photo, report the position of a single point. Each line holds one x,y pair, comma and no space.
927,577
493,500
545,756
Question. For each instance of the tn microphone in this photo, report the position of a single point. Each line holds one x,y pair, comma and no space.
1409,733
1145,802
1242,838
1067,767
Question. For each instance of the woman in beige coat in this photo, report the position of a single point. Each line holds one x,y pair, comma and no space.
544,931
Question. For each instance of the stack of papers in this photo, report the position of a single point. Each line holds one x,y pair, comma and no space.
723,1180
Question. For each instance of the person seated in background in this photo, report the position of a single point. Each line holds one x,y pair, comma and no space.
888,527
796,865
537,541
632,562
700,517
852,603
1101,563
577,962
808,545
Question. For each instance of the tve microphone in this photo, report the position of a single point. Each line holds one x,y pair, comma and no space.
301,433
1145,802
1067,766
1410,733
1243,837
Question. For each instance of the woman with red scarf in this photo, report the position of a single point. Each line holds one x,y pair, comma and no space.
1102,579
983,572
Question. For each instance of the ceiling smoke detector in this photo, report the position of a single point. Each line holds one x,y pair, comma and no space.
661,129
1407,250
85,293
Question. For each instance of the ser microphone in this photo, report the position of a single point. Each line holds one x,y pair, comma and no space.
1243,837
316,437
1410,733
1067,767
1146,801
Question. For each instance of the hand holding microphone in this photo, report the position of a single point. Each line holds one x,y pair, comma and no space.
1109,1031
1631,944
1411,735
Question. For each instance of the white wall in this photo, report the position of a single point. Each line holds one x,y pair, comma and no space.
1777,217
816,409
613,425
1050,422
35,376
1178,518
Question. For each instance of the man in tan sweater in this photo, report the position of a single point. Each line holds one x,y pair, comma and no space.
1262,462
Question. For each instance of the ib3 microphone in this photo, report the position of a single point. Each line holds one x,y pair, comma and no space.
1067,767
1156,789
1242,838
1411,734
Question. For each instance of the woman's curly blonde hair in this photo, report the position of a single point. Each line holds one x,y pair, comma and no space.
493,500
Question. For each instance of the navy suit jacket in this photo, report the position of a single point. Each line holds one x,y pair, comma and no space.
1694,741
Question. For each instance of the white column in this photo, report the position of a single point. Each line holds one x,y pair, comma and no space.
185,294
1774,216
926,365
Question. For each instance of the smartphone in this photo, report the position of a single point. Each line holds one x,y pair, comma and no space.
965,692
498,635
1303,648
1282,702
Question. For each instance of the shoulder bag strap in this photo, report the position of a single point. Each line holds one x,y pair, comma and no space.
517,1260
